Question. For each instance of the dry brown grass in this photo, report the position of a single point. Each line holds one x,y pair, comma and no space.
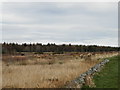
0,71
0,75
46,75
39,76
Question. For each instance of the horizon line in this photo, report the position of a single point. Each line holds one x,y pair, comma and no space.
57,44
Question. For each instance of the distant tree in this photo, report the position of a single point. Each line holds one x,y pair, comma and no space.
12,48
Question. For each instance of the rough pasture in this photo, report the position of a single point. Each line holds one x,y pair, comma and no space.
47,70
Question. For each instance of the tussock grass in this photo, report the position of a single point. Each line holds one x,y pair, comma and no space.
41,76
45,75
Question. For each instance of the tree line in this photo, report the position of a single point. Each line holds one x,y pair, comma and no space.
9,48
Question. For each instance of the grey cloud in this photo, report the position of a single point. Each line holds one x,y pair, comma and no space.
59,22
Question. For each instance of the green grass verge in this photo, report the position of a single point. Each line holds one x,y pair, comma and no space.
108,76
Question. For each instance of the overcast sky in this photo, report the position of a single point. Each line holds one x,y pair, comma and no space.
75,23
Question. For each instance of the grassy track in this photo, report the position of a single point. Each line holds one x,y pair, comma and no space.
108,76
